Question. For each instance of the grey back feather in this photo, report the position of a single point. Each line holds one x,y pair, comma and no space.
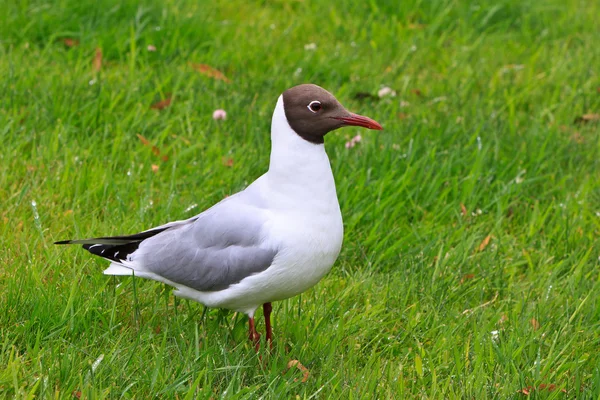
219,248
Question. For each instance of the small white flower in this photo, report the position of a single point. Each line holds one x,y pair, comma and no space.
297,72
310,46
519,178
352,142
151,47
511,67
219,114
386,91
494,335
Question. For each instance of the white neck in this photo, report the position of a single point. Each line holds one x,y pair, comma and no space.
299,169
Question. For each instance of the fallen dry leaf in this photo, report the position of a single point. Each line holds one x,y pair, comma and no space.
535,324
70,42
551,387
297,364
154,168
577,138
484,243
155,150
160,105
402,115
228,162
97,62
585,118
76,394
211,72
144,141
526,391
466,277
463,210
417,92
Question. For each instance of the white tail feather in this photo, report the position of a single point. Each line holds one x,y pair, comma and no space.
116,269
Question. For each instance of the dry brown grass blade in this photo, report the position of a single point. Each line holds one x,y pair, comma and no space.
585,118
211,72
144,141
160,105
97,62
298,364
70,42
484,243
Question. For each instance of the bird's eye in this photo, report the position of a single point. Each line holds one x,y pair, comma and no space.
314,106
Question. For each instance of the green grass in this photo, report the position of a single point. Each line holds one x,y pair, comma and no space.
484,117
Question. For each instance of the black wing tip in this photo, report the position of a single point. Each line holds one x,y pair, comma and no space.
63,242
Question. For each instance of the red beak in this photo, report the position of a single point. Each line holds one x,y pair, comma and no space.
359,120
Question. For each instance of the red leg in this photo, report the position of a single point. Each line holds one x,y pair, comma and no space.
253,335
267,308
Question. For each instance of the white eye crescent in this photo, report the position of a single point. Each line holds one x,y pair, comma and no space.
314,106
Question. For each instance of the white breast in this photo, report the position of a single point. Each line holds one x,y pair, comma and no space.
309,247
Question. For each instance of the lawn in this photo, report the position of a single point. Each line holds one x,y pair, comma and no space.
470,266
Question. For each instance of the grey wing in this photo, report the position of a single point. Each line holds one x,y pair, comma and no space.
224,245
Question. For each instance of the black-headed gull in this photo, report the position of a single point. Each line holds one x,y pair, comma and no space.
271,241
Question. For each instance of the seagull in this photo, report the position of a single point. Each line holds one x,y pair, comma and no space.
273,240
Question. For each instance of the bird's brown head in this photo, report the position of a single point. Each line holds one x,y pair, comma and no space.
312,112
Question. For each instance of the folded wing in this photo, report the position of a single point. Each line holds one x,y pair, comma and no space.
209,252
